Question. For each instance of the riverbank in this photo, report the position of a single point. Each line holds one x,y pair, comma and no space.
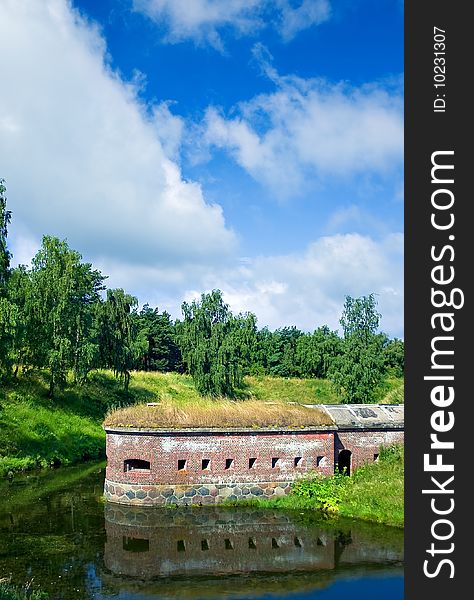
375,492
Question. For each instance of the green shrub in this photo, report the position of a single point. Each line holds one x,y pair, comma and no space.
326,492
10,592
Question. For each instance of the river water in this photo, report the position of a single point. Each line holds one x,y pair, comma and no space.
56,530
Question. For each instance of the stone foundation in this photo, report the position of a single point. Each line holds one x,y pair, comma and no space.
160,495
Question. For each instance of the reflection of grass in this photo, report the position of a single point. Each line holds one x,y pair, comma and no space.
26,489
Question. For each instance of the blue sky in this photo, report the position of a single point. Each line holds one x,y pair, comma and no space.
184,145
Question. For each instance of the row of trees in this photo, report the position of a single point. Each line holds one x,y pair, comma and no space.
58,315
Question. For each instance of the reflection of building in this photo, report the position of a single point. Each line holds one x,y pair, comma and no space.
147,544
157,467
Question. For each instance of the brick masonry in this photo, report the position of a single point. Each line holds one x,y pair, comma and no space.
157,467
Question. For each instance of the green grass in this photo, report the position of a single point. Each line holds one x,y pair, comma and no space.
38,432
9,592
375,492
149,387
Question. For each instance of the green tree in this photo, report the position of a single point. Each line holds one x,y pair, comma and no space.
211,345
315,352
5,256
119,341
394,357
359,369
162,352
59,311
8,311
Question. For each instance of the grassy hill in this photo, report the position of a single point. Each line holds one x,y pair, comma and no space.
38,432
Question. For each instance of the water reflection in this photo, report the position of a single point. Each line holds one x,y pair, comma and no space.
57,530
147,544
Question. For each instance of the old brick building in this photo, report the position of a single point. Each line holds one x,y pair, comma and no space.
205,466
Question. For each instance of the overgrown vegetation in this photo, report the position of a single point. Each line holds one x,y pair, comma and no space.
217,413
58,316
26,592
37,431
375,492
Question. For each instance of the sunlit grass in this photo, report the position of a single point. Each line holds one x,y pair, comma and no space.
208,413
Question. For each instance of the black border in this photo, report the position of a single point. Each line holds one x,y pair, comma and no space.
427,132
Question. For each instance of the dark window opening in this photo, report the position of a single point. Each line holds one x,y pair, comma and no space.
228,544
299,461
204,545
206,464
182,465
252,462
135,464
131,544
180,546
252,543
320,461
376,457
275,544
229,463
275,462
298,543
320,542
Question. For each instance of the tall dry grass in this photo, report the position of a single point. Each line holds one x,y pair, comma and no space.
217,413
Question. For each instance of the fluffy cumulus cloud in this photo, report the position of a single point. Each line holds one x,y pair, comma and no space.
311,129
203,21
309,288
86,160
82,156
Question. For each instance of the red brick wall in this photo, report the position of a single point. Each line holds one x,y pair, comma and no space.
364,444
317,451
164,450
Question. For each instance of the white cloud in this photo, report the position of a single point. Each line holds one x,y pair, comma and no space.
310,129
83,158
308,289
82,155
204,21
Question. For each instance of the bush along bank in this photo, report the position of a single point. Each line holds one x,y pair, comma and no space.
10,592
373,493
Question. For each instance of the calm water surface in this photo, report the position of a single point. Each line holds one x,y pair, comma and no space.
56,529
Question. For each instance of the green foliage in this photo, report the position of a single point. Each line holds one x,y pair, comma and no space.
26,592
359,369
374,493
394,357
316,352
215,345
62,293
5,256
161,351
119,344
53,317
323,491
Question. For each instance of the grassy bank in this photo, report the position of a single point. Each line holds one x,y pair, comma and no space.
9,592
36,431
373,493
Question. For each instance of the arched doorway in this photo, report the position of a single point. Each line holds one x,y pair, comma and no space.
344,462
